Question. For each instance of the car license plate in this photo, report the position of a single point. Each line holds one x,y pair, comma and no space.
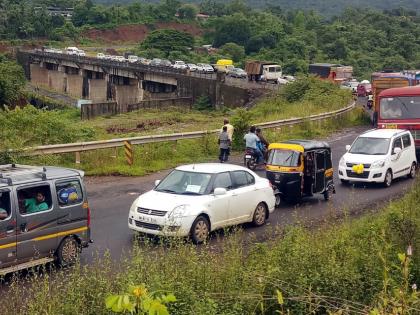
391,126
147,219
248,156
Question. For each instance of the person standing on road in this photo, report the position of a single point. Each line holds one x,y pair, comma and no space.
224,145
230,131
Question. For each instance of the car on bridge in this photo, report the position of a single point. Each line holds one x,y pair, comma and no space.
379,156
195,199
237,73
179,64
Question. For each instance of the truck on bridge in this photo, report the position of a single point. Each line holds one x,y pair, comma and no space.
334,72
263,71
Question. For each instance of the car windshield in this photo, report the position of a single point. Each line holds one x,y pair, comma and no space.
283,158
185,183
401,107
370,146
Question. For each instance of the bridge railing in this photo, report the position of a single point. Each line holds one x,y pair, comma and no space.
115,143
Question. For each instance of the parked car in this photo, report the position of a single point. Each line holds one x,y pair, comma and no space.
45,216
180,65
237,73
156,62
72,51
132,58
165,63
364,89
192,67
200,67
207,68
194,200
120,59
380,156
351,85
100,56
108,57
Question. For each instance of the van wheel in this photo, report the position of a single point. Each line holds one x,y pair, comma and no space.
260,215
68,252
388,178
412,173
200,230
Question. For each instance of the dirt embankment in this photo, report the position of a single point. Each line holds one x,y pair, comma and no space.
138,32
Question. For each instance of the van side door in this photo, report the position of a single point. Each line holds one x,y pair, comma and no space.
36,221
7,228
72,217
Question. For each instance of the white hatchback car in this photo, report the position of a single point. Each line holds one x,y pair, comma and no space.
195,199
380,156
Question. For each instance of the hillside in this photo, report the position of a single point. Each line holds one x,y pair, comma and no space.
325,7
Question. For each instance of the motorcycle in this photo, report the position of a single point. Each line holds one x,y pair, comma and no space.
250,160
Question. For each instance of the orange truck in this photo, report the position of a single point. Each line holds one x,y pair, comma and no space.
333,72
382,81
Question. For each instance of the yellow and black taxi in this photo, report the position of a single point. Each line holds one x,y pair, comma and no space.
299,168
44,216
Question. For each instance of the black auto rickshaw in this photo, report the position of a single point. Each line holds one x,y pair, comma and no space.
298,168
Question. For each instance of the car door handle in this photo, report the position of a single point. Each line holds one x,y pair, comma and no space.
10,229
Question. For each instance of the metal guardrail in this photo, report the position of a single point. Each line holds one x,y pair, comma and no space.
115,143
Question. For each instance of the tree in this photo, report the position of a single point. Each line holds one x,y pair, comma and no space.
12,81
187,11
235,51
233,29
167,40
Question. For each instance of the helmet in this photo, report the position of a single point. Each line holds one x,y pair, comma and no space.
67,194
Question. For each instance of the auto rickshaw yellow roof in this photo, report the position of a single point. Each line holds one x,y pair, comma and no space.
286,146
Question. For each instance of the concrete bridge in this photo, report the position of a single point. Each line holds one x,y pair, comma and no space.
126,83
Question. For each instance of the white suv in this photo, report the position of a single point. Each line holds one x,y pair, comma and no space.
380,156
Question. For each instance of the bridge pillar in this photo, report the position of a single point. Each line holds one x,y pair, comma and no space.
124,91
74,82
39,74
57,79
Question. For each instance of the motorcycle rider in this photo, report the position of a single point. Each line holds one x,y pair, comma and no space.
251,140
370,100
263,143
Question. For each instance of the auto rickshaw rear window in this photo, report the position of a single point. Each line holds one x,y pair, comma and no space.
284,158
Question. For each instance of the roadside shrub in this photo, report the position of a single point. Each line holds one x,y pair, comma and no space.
203,103
241,122
28,126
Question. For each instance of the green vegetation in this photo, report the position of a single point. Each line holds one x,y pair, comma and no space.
12,81
358,266
168,41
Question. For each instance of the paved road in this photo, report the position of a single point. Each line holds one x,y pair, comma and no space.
111,197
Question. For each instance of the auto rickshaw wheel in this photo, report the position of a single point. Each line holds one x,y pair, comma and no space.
278,200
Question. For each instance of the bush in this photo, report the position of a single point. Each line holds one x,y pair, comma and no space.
203,103
241,122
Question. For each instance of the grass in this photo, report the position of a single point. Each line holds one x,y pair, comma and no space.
350,267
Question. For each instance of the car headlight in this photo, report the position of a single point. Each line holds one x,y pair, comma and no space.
179,211
342,162
378,164
133,206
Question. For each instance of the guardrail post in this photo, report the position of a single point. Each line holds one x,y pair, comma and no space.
77,157
128,148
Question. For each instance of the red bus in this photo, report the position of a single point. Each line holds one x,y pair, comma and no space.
400,108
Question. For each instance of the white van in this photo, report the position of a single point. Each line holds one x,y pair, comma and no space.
379,156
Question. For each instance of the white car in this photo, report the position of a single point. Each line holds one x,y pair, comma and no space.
195,199
120,59
81,53
180,65
133,58
192,67
100,56
208,68
380,156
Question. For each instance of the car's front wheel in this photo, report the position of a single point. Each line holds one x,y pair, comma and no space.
200,230
388,178
260,215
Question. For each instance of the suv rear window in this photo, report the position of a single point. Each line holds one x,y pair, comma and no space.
69,193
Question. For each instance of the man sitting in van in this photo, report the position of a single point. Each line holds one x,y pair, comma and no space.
36,204
3,214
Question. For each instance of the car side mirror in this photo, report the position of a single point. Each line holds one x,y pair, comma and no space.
348,147
220,191
157,182
397,150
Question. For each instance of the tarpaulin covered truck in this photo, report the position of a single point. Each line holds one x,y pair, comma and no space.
334,72
263,71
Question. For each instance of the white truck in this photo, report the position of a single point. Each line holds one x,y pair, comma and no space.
263,71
